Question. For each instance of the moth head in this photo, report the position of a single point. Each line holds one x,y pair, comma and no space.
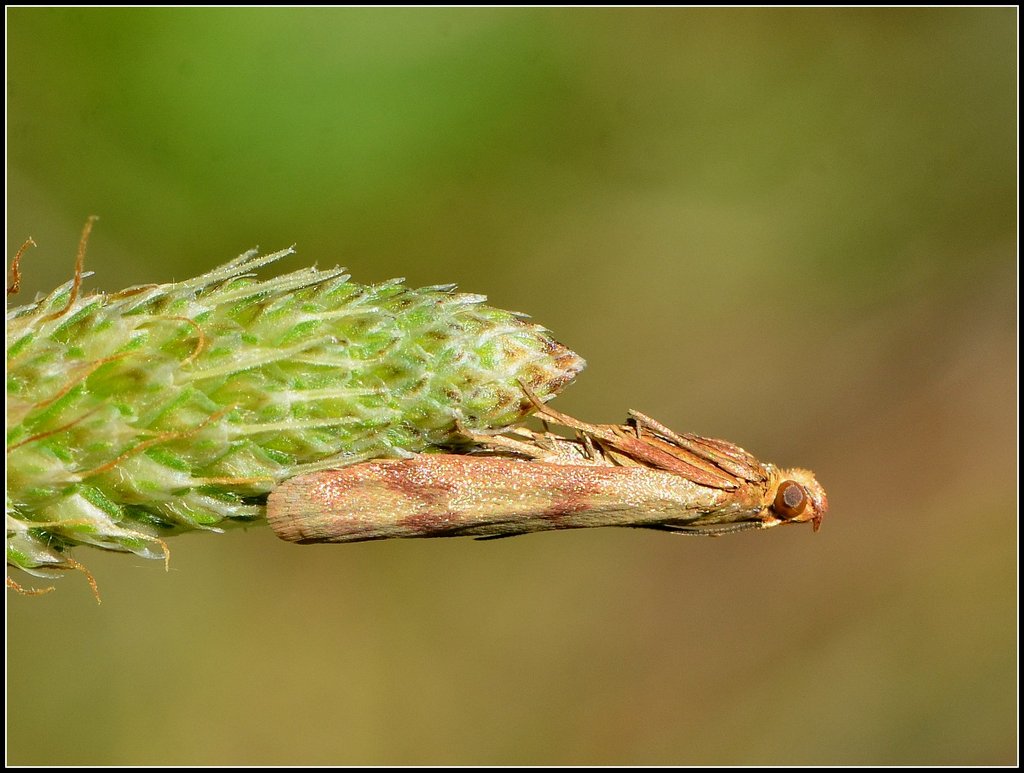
796,497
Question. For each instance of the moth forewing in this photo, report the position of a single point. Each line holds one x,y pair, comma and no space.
445,495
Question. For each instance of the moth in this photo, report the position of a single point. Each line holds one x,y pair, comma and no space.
639,474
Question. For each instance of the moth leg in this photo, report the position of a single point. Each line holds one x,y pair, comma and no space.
521,432
543,410
531,452
502,442
588,446
645,421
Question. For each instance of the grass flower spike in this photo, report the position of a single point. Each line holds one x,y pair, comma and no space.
136,415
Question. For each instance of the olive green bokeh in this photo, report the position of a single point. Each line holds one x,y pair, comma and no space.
795,229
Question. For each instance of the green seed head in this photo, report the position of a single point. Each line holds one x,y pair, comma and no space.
135,415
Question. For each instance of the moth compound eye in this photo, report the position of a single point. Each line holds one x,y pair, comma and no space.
790,500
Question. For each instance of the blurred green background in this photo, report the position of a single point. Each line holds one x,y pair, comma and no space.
795,229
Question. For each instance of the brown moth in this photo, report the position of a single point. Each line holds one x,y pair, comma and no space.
639,474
